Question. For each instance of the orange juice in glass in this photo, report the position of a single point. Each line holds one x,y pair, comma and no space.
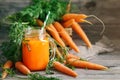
35,51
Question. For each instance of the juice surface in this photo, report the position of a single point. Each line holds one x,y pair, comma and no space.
35,54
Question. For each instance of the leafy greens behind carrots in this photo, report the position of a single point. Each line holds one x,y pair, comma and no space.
11,49
39,9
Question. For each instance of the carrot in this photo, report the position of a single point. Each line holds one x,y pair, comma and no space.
65,36
7,65
4,74
60,67
76,27
85,64
53,32
39,22
69,55
69,16
68,23
83,21
22,68
55,35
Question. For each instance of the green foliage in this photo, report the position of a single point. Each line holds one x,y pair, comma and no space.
49,66
11,72
39,9
11,49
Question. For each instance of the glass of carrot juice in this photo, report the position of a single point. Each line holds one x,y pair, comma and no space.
35,50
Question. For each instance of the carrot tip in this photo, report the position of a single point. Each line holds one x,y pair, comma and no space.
88,22
106,68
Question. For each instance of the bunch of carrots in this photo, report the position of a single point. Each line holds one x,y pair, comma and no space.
57,31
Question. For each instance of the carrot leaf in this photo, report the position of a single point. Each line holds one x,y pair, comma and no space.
49,66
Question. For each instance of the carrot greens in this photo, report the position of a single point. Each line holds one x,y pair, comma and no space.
11,49
39,9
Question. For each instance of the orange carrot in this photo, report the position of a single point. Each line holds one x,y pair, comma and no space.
82,21
22,68
60,67
68,23
55,35
69,55
76,27
85,64
7,65
39,22
65,36
53,32
69,16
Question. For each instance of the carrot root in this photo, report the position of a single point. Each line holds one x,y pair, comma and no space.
68,23
85,64
39,22
7,65
22,68
77,17
4,74
65,36
76,27
60,67
55,35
